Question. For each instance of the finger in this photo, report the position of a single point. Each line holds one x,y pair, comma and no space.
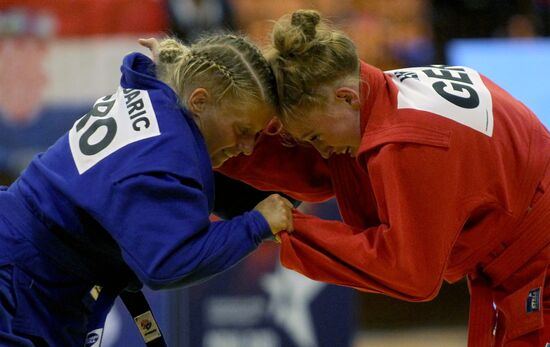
145,43
151,43
287,202
283,201
290,223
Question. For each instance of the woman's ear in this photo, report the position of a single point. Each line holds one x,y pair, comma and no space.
197,101
348,95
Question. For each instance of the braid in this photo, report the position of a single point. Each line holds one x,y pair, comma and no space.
205,59
227,64
255,57
259,58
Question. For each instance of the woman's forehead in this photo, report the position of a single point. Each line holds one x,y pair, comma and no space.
254,115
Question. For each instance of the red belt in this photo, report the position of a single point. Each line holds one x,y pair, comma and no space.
535,236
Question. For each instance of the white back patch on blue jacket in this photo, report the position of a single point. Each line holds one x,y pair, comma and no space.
114,122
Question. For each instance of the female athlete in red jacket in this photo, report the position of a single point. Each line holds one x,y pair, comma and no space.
438,174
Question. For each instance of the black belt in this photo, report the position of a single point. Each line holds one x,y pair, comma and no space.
141,312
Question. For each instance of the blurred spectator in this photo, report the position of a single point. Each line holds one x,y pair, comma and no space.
191,18
253,17
388,34
520,25
392,34
487,18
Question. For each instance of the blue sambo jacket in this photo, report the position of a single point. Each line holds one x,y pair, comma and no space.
125,196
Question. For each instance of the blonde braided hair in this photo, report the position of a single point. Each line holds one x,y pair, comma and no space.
226,64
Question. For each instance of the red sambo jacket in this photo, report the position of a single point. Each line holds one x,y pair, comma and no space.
451,173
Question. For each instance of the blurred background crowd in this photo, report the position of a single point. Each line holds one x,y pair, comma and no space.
58,56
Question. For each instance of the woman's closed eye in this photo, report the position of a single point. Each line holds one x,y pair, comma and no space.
314,138
245,132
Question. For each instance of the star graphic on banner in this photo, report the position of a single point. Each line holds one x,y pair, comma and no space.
290,295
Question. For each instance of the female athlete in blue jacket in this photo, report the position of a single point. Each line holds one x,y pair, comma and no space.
123,199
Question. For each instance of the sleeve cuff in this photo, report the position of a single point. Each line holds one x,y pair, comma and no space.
262,227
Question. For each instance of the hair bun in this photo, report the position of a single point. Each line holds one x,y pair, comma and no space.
306,20
171,51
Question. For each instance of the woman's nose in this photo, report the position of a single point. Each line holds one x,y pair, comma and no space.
324,150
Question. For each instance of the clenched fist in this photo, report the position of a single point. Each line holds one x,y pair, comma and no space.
278,213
